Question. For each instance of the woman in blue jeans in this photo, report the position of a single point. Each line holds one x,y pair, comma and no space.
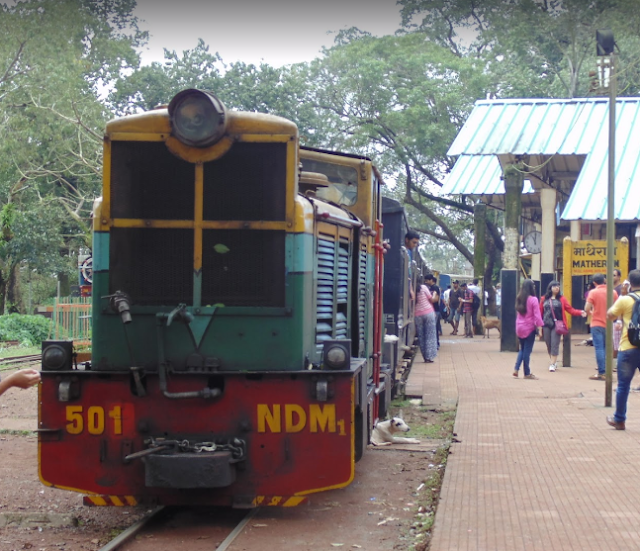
528,318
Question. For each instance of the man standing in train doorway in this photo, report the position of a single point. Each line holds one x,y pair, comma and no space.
411,242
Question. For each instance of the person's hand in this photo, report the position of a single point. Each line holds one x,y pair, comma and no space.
583,314
618,323
24,378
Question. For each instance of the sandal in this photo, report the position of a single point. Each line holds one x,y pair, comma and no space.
530,376
515,373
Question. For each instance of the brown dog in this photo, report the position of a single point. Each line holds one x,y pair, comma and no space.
490,323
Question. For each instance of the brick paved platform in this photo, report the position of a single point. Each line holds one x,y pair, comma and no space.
537,467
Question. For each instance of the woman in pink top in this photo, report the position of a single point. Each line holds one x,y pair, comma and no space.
528,318
425,319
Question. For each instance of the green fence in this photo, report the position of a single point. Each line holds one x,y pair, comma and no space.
72,320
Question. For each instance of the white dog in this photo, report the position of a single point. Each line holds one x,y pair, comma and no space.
383,433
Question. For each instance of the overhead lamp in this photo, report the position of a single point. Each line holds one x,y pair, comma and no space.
605,42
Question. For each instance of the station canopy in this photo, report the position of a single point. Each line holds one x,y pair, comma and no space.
565,143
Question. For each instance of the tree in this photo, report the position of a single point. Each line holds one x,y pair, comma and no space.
56,57
402,100
532,48
276,90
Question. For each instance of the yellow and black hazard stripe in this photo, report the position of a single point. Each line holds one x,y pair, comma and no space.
278,501
109,501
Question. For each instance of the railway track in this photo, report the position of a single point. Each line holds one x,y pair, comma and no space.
17,362
204,528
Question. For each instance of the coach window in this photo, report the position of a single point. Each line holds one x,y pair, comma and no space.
344,181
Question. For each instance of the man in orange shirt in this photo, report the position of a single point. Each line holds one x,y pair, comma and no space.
597,307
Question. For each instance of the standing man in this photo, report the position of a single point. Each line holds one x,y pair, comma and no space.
476,303
617,284
445,296
467,307
430,281
454,306
445,301
597,307
411,241
628,355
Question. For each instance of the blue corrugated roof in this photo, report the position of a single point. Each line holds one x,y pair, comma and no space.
561,133
477,175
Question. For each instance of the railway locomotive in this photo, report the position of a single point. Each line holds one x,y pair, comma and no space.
236,322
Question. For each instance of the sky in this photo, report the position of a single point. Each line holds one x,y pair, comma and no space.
278,32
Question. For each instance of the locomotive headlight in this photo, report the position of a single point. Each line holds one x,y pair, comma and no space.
337,354
57,355
197,118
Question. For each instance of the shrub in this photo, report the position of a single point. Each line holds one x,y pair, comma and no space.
28,330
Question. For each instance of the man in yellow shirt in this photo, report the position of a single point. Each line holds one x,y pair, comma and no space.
628,355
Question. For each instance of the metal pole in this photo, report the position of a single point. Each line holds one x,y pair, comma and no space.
611,228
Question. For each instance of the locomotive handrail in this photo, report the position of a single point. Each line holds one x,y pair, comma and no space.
339,220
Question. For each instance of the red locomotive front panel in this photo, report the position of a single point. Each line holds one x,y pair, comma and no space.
266,439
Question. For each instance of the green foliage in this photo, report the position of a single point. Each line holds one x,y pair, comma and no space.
532,48
56,57
28,330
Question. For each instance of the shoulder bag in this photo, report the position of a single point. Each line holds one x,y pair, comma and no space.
561,326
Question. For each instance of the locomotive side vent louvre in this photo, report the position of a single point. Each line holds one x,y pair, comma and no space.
362,301
342,289
325,290
332,293
149,182
154,267
243,268
247,183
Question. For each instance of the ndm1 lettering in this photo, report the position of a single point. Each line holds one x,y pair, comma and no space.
290,418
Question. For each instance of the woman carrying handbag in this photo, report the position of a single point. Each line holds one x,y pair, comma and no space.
554,307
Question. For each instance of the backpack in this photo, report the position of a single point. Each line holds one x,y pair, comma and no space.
633,331
476,302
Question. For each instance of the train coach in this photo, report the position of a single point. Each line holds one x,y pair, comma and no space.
237,317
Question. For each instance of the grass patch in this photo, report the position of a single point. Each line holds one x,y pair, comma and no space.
426,424
428,501
13,432
433,425
12,351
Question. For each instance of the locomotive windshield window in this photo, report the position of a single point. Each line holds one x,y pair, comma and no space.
344,181
148,181
247,183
